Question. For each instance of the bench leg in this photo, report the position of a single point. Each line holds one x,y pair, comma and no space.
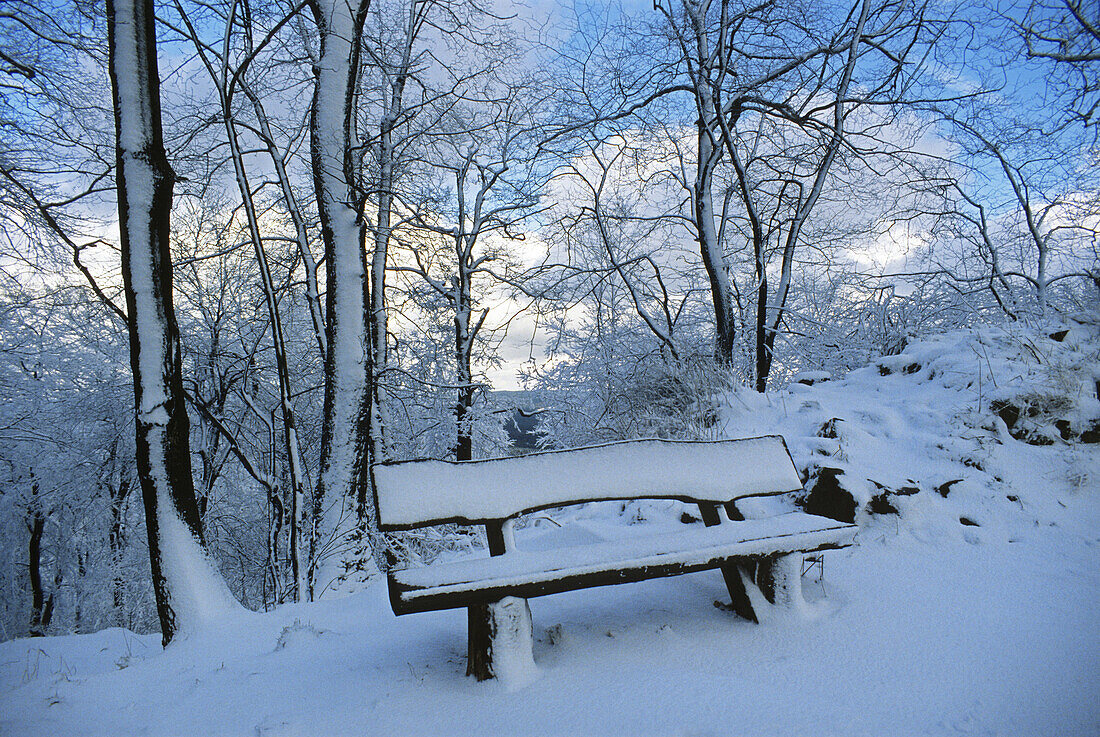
500,641
780,579
740,603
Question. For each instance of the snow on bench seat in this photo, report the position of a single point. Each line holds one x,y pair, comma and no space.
427,492
528,574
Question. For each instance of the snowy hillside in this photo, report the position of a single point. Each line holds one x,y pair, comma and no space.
967,605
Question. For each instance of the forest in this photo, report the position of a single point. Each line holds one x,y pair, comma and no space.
251,248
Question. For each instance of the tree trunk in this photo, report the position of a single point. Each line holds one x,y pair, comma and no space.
767,330
393,112
379,327
188,588
116,540
343,486
301,235
708,155
464,449
36,525
299,520
464,346
763,354
710,248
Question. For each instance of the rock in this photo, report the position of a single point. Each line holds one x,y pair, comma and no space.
809,378
828,430
1006,410
945,488
1092,435
1032,436
968,522
827,498
881,504
1059,336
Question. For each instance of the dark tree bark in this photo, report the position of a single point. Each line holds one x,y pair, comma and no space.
36,525
144,181
116,540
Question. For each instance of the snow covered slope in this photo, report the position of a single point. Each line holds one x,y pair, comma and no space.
972,610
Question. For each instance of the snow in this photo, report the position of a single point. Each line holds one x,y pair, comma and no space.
787,573
199,595
512,644
973,639
925,627
418,491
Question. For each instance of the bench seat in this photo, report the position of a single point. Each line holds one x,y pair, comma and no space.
528,574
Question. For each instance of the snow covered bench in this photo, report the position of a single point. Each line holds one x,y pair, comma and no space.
493,493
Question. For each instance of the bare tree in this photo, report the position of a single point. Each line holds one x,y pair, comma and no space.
767,79
751,79
227,79
343,489
1040,225
396,57
1067,32
630,239
494,181
188,587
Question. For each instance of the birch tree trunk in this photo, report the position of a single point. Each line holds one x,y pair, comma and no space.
344,484
188,587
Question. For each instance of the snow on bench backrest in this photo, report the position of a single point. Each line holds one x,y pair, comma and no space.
416,493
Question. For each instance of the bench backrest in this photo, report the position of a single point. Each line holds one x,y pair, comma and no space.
427,492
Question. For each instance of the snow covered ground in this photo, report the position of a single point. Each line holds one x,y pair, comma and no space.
928,625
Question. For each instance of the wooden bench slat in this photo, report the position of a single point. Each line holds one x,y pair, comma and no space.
529,573
419,493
